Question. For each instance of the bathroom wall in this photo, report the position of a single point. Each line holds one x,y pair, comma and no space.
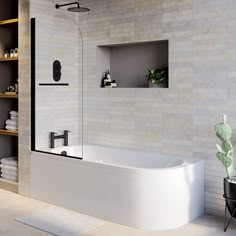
177,121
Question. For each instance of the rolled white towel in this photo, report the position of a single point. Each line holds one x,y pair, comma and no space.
12,122
8,127
9,177
6,167
9,161
14,113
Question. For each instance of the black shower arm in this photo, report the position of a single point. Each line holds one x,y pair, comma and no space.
67,4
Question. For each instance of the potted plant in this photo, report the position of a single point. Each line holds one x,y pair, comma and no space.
225,155
158,78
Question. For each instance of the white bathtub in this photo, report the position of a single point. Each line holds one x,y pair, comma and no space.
138,189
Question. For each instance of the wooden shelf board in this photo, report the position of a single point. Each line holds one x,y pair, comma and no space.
8,132
8,58
8,181
8,22
2,95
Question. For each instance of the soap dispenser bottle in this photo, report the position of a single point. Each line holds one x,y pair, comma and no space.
108,75
104,80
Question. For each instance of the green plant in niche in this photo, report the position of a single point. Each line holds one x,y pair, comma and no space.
158,76
225,150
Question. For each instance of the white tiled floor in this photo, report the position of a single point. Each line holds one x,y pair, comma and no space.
13,206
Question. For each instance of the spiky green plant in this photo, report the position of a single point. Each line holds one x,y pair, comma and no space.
225,150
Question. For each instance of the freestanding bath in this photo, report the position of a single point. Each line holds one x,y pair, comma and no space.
138,189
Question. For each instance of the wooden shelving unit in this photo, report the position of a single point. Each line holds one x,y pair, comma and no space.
8,132
9,73
9,22
2,95
4,59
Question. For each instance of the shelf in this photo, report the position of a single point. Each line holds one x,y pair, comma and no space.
8,181
8,132
10,22
2,95
116,58
8,59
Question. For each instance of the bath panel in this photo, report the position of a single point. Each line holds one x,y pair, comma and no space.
141,190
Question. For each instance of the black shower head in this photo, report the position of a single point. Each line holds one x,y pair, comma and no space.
78,9
73,9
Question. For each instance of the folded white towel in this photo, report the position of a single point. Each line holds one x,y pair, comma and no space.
12,122
13,178
10,173
13,112
6,167
9,161
8,127
14,118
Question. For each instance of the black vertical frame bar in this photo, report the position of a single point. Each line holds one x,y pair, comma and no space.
33,67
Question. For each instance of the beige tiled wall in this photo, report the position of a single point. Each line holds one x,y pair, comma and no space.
178,120
24,99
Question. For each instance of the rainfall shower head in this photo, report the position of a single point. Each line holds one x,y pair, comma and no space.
73,9
78,9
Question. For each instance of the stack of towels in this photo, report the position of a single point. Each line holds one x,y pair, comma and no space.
12,123
9,168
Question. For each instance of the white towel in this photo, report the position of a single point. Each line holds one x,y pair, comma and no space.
9,177
9,161
8,127
14,118
10,173
12,122
6,167
13,113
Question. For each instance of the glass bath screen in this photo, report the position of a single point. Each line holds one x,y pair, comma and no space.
58,83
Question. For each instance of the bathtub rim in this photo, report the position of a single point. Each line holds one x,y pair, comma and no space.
186,161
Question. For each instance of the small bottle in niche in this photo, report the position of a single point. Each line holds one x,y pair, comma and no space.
104,80
108,85
107,82
108,75
113,84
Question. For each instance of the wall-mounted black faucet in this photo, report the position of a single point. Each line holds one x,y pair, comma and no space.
54,136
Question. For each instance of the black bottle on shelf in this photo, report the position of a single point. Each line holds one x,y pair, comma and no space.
104,80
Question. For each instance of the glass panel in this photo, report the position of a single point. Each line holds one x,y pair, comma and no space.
58,82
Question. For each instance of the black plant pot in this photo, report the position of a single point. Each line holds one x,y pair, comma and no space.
230,192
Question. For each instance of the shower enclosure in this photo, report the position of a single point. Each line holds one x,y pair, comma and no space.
73,47
57,78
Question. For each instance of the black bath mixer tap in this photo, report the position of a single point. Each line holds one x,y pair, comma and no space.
54,136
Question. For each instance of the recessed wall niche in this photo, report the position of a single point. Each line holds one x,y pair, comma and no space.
129,63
